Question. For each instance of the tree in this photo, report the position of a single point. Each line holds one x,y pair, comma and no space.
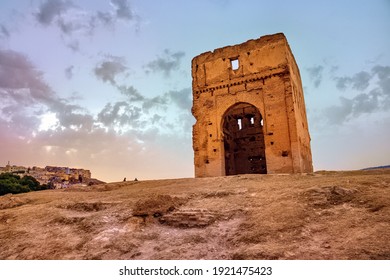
11,183
31,182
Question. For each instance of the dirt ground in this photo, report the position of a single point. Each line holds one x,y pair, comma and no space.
324,215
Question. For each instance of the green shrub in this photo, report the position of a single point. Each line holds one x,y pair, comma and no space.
11,183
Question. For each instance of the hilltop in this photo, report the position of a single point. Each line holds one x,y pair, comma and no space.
323,215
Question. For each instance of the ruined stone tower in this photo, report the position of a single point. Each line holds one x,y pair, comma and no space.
250,111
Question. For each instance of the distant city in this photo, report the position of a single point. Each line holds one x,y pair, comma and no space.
55,176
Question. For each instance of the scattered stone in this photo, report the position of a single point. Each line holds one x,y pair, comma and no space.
157,206
189,218
10,201
329,195
87,207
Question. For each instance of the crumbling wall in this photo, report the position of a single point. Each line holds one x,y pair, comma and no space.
262,76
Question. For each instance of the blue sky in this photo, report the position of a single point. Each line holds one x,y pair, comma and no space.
106,84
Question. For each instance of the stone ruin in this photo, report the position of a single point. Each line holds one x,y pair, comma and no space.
250,110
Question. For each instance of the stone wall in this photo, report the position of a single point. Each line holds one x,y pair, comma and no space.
250,111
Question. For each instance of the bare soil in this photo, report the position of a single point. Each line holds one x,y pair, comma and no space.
324,215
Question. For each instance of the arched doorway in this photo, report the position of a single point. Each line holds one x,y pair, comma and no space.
244,140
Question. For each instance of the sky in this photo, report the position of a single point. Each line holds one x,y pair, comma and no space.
105,85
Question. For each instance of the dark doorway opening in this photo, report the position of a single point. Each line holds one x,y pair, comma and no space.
244,140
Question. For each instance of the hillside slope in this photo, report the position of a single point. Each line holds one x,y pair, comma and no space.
325,215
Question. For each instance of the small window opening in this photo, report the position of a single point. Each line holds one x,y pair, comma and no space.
252,120
234,64
254,158
239,122
262,122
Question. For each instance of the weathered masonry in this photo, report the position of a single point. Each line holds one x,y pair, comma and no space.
250,111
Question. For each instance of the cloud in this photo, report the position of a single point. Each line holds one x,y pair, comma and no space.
126,134
315,74
110,68
182,98
156,118
377,99
167,112
68,18
74,45
18,76
136,110
21,121
71,18
69,72
120,114
383,73
51,9
131,93
26,97
166,63
4,32
76,21
343,82
333,69
359,81
105,18
73,117
178,103
123,9
366,103
159,101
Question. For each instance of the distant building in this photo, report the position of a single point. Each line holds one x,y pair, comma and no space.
59,177
13,169
69,174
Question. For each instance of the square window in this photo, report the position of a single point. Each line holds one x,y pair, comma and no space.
234,64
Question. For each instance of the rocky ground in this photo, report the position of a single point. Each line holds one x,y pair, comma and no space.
325,215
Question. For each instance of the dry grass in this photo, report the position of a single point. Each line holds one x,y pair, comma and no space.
325,215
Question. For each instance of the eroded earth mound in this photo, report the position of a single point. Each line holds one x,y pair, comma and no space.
324,215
